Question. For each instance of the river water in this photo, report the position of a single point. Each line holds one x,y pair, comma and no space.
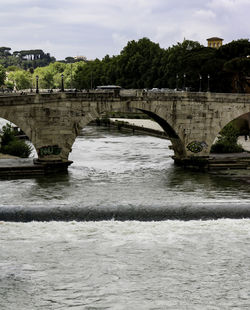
121,264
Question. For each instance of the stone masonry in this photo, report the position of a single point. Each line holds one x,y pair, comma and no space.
191,120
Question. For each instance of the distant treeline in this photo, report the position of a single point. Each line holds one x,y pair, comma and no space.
144,64
29,59
141,64
24,59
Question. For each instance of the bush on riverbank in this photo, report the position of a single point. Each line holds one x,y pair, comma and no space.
227,141
12,145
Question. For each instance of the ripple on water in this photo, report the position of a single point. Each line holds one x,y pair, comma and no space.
121,265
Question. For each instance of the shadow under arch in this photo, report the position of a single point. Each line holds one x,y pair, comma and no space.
178,146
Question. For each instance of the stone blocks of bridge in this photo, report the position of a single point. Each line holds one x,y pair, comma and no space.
191,120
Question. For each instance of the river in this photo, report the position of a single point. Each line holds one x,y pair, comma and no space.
121,264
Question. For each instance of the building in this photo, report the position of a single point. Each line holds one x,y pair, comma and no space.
214,42
80,58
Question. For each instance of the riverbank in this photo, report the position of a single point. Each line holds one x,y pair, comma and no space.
7,156
18,167
139,126
144,124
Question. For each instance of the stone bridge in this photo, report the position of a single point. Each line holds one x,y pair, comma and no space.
191,120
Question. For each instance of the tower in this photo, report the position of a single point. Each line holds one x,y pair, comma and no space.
214,42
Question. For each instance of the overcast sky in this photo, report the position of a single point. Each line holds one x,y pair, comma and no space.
95,28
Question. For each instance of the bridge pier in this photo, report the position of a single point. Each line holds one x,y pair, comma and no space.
51,166
193,162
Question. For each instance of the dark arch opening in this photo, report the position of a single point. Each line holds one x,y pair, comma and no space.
177,144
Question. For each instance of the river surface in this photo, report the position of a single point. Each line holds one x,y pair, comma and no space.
168,264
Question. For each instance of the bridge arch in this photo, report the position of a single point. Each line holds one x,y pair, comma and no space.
237,118
228,118
177,144
17,121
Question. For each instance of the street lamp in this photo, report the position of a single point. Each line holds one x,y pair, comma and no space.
200,83
177,77
37,89
62,86
91,79
208,80
184,81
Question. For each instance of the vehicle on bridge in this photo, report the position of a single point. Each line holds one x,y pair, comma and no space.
108,87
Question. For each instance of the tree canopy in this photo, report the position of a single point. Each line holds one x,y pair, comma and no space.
2,75
24,59
144,64
141,64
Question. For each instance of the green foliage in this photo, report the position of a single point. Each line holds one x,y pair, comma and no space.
51,76
2,75
227,141
230,133
226,147
241,126
12,68
17,148
142,64
24,59
10,85
12,145
239,68
5,51
236,48
21,79
8,134
46,77
137,66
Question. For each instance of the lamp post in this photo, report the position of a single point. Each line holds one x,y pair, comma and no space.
37,89
200,82
62,86
184,81
91,79
208,80
177,77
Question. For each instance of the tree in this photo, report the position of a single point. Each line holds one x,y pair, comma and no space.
2,75
22,79
239,67
69,59
227,141
46,77
139,64
11,145
237,48
5,51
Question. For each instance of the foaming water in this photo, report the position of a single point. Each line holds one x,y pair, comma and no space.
147,262
125,265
